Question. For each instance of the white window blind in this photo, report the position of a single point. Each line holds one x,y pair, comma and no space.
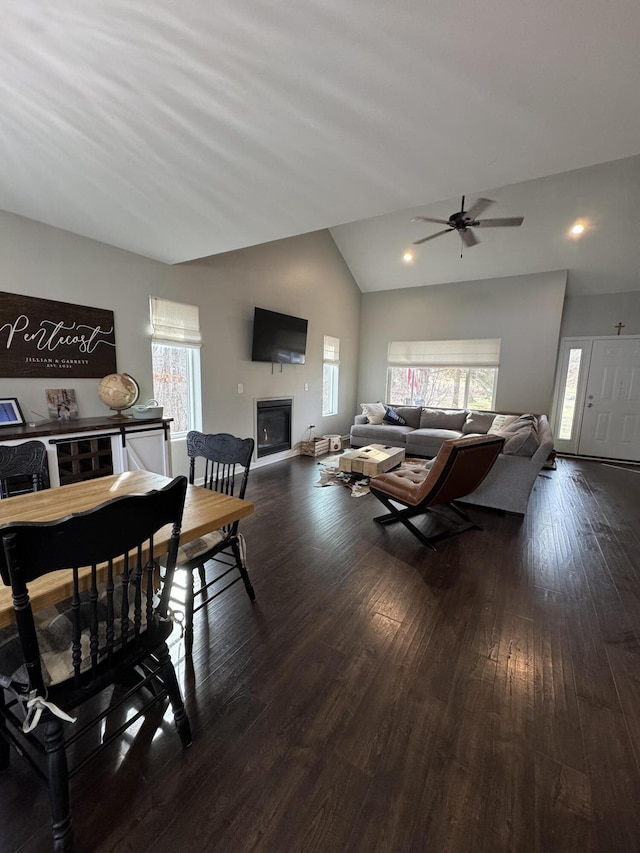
484,352
175,322
331,349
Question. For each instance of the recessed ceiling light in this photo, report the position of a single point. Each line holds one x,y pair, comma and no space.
577,229
408,257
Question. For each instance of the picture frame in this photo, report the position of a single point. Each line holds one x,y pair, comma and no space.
10,412
62,404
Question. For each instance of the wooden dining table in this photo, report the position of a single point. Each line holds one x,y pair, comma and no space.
204,511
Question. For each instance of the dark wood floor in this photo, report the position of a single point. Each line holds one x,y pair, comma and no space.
382,697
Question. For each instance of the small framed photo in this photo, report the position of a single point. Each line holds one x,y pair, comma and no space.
10,412
61,404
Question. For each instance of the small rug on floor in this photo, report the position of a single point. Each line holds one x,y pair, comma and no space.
331,475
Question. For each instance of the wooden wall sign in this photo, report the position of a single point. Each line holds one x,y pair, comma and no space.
39,337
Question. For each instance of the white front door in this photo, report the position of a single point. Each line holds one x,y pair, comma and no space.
611,417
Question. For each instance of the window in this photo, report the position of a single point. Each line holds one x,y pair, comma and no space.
330,375
175,352
568,406
443,374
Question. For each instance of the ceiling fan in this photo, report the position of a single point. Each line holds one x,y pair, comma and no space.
464,220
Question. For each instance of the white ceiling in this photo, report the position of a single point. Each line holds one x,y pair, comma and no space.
182,130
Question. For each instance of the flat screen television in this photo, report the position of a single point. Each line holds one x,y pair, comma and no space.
278,338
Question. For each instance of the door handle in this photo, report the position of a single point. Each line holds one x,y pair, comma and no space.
589,405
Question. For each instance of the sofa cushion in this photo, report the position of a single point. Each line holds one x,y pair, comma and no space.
523,442
379,434
411,415
478,422
392,417
443,419
374,412
427,442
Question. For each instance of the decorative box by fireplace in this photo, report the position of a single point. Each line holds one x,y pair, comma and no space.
315,447
273,426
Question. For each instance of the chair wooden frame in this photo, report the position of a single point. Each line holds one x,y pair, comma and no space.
459,468
222,453
125,633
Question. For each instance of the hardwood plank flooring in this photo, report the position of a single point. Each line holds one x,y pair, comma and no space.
379,696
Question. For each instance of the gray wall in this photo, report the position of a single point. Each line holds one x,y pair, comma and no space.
304,275
599,315
524,311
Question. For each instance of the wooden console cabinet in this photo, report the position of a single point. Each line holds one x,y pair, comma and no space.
94,447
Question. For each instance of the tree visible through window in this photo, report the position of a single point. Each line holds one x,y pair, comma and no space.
176,363
458,374
442,387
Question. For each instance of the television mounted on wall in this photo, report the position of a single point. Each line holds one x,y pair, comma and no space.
278,338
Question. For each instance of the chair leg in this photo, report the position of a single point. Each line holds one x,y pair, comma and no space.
171,683
58,776
5,748
403,516
239,558
188,615
203,581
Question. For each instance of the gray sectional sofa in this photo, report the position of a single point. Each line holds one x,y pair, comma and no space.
528,446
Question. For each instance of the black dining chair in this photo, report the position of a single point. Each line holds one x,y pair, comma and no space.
220,462
112,631
23,468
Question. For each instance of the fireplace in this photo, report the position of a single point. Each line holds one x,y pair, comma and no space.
273,420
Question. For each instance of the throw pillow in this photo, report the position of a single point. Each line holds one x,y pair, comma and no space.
478,422
392,417
375,412
500,422
519,422
410,414
524,442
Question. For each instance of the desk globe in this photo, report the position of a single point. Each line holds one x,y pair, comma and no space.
118,391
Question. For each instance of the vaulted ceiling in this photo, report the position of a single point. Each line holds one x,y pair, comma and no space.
182,130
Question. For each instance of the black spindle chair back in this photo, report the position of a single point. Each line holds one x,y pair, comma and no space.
220,462
112,630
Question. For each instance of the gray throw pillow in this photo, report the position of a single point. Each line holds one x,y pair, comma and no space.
443,419
524,442
411,415
478,422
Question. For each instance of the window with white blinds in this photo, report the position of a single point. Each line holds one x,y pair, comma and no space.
175,322
330,375
331,349
443,374
175,355
481,352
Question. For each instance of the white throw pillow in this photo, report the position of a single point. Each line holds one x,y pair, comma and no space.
374,412
500,422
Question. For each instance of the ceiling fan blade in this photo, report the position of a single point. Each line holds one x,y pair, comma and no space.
429,219
432,236
478,206
469,238
499,223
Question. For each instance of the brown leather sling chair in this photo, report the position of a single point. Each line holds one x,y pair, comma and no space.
459,468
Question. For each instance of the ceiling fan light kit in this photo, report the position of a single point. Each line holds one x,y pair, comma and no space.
464,220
